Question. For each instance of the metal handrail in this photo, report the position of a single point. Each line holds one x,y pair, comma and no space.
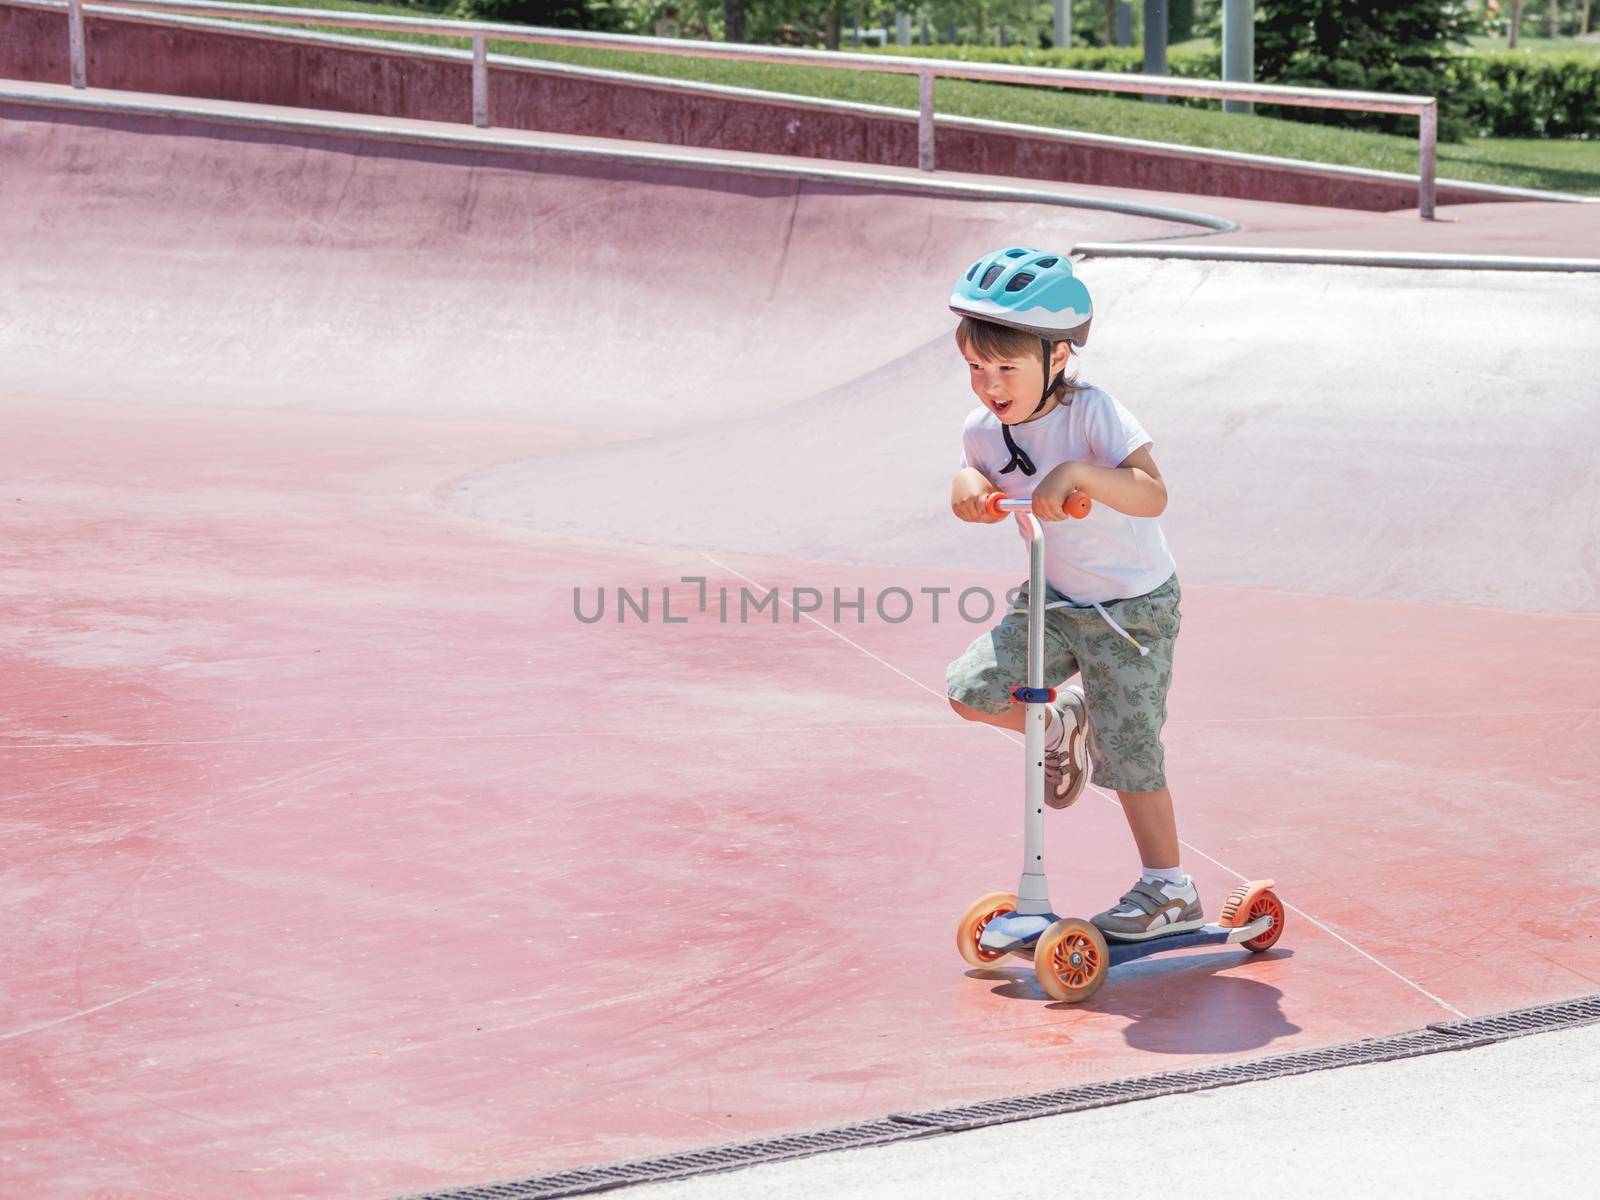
1425,108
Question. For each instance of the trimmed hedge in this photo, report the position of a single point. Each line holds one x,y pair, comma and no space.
1516,94
1492,94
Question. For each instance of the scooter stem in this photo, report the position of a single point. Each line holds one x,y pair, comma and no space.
1033,889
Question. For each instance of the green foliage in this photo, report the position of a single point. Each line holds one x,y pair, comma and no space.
1404,46
604,15
788,22
1409,47
1512,94
1180,20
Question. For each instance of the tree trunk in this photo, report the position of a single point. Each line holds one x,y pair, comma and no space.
1513,20
1111,22
835,20
1585,28
733,20
1552,13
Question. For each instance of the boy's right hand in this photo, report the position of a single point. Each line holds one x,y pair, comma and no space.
967,496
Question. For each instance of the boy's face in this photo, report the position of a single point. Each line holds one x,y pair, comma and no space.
1010,387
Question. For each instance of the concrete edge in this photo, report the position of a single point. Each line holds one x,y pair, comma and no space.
789,100
298,120
1346,258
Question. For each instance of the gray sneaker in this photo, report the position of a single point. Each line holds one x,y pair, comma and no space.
1066,768
1151,909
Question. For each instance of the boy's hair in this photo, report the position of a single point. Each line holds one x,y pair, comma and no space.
991,341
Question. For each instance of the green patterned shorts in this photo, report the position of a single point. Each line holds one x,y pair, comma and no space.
1127,692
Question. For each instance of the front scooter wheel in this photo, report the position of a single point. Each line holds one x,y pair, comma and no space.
972,923
1071,960
1265,904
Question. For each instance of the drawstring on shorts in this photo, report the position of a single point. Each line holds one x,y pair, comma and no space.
1142,650
1121,632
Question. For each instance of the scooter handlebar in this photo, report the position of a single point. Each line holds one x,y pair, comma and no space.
998,504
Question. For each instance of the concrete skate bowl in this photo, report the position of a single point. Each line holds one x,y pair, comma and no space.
346,862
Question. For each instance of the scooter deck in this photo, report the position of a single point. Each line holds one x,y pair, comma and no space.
1206,935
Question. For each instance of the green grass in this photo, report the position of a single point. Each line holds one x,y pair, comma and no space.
1569,166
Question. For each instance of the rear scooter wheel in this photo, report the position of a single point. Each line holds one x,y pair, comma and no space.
1071,960
972,925
1265,904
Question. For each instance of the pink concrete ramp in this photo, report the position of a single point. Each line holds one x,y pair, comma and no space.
275,269
343,858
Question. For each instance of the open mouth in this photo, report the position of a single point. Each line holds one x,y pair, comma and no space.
1000,406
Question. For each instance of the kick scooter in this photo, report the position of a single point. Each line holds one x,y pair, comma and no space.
1070,956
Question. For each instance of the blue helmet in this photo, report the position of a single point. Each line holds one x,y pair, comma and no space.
1031,290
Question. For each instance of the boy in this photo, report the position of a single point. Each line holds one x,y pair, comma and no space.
1113,594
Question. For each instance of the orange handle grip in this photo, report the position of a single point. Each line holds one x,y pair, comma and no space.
1078,504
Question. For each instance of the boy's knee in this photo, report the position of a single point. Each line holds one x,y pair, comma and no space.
976,684
973,712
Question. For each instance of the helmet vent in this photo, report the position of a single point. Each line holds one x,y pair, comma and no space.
973,270
1020,281
1016,253
988,276
1047,262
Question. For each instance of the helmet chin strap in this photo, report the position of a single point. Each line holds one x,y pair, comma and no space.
1019,456
1051,384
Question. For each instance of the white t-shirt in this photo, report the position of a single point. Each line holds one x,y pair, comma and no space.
1108,555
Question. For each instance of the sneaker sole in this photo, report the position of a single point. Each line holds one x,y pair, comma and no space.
1164,931
1078,754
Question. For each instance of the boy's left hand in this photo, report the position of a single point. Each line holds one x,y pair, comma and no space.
1050,497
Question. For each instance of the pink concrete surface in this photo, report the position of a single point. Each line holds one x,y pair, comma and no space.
342,860
202,63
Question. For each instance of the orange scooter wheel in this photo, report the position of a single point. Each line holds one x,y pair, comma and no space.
1071,960
972,925
1264,904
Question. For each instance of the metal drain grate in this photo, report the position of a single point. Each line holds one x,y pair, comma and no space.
1582,1010
1196,1079
587,1180
1441,1036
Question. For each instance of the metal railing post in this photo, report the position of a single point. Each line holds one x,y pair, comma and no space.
1238,49
1429,165
1155,42
75,50
480,81
925,120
